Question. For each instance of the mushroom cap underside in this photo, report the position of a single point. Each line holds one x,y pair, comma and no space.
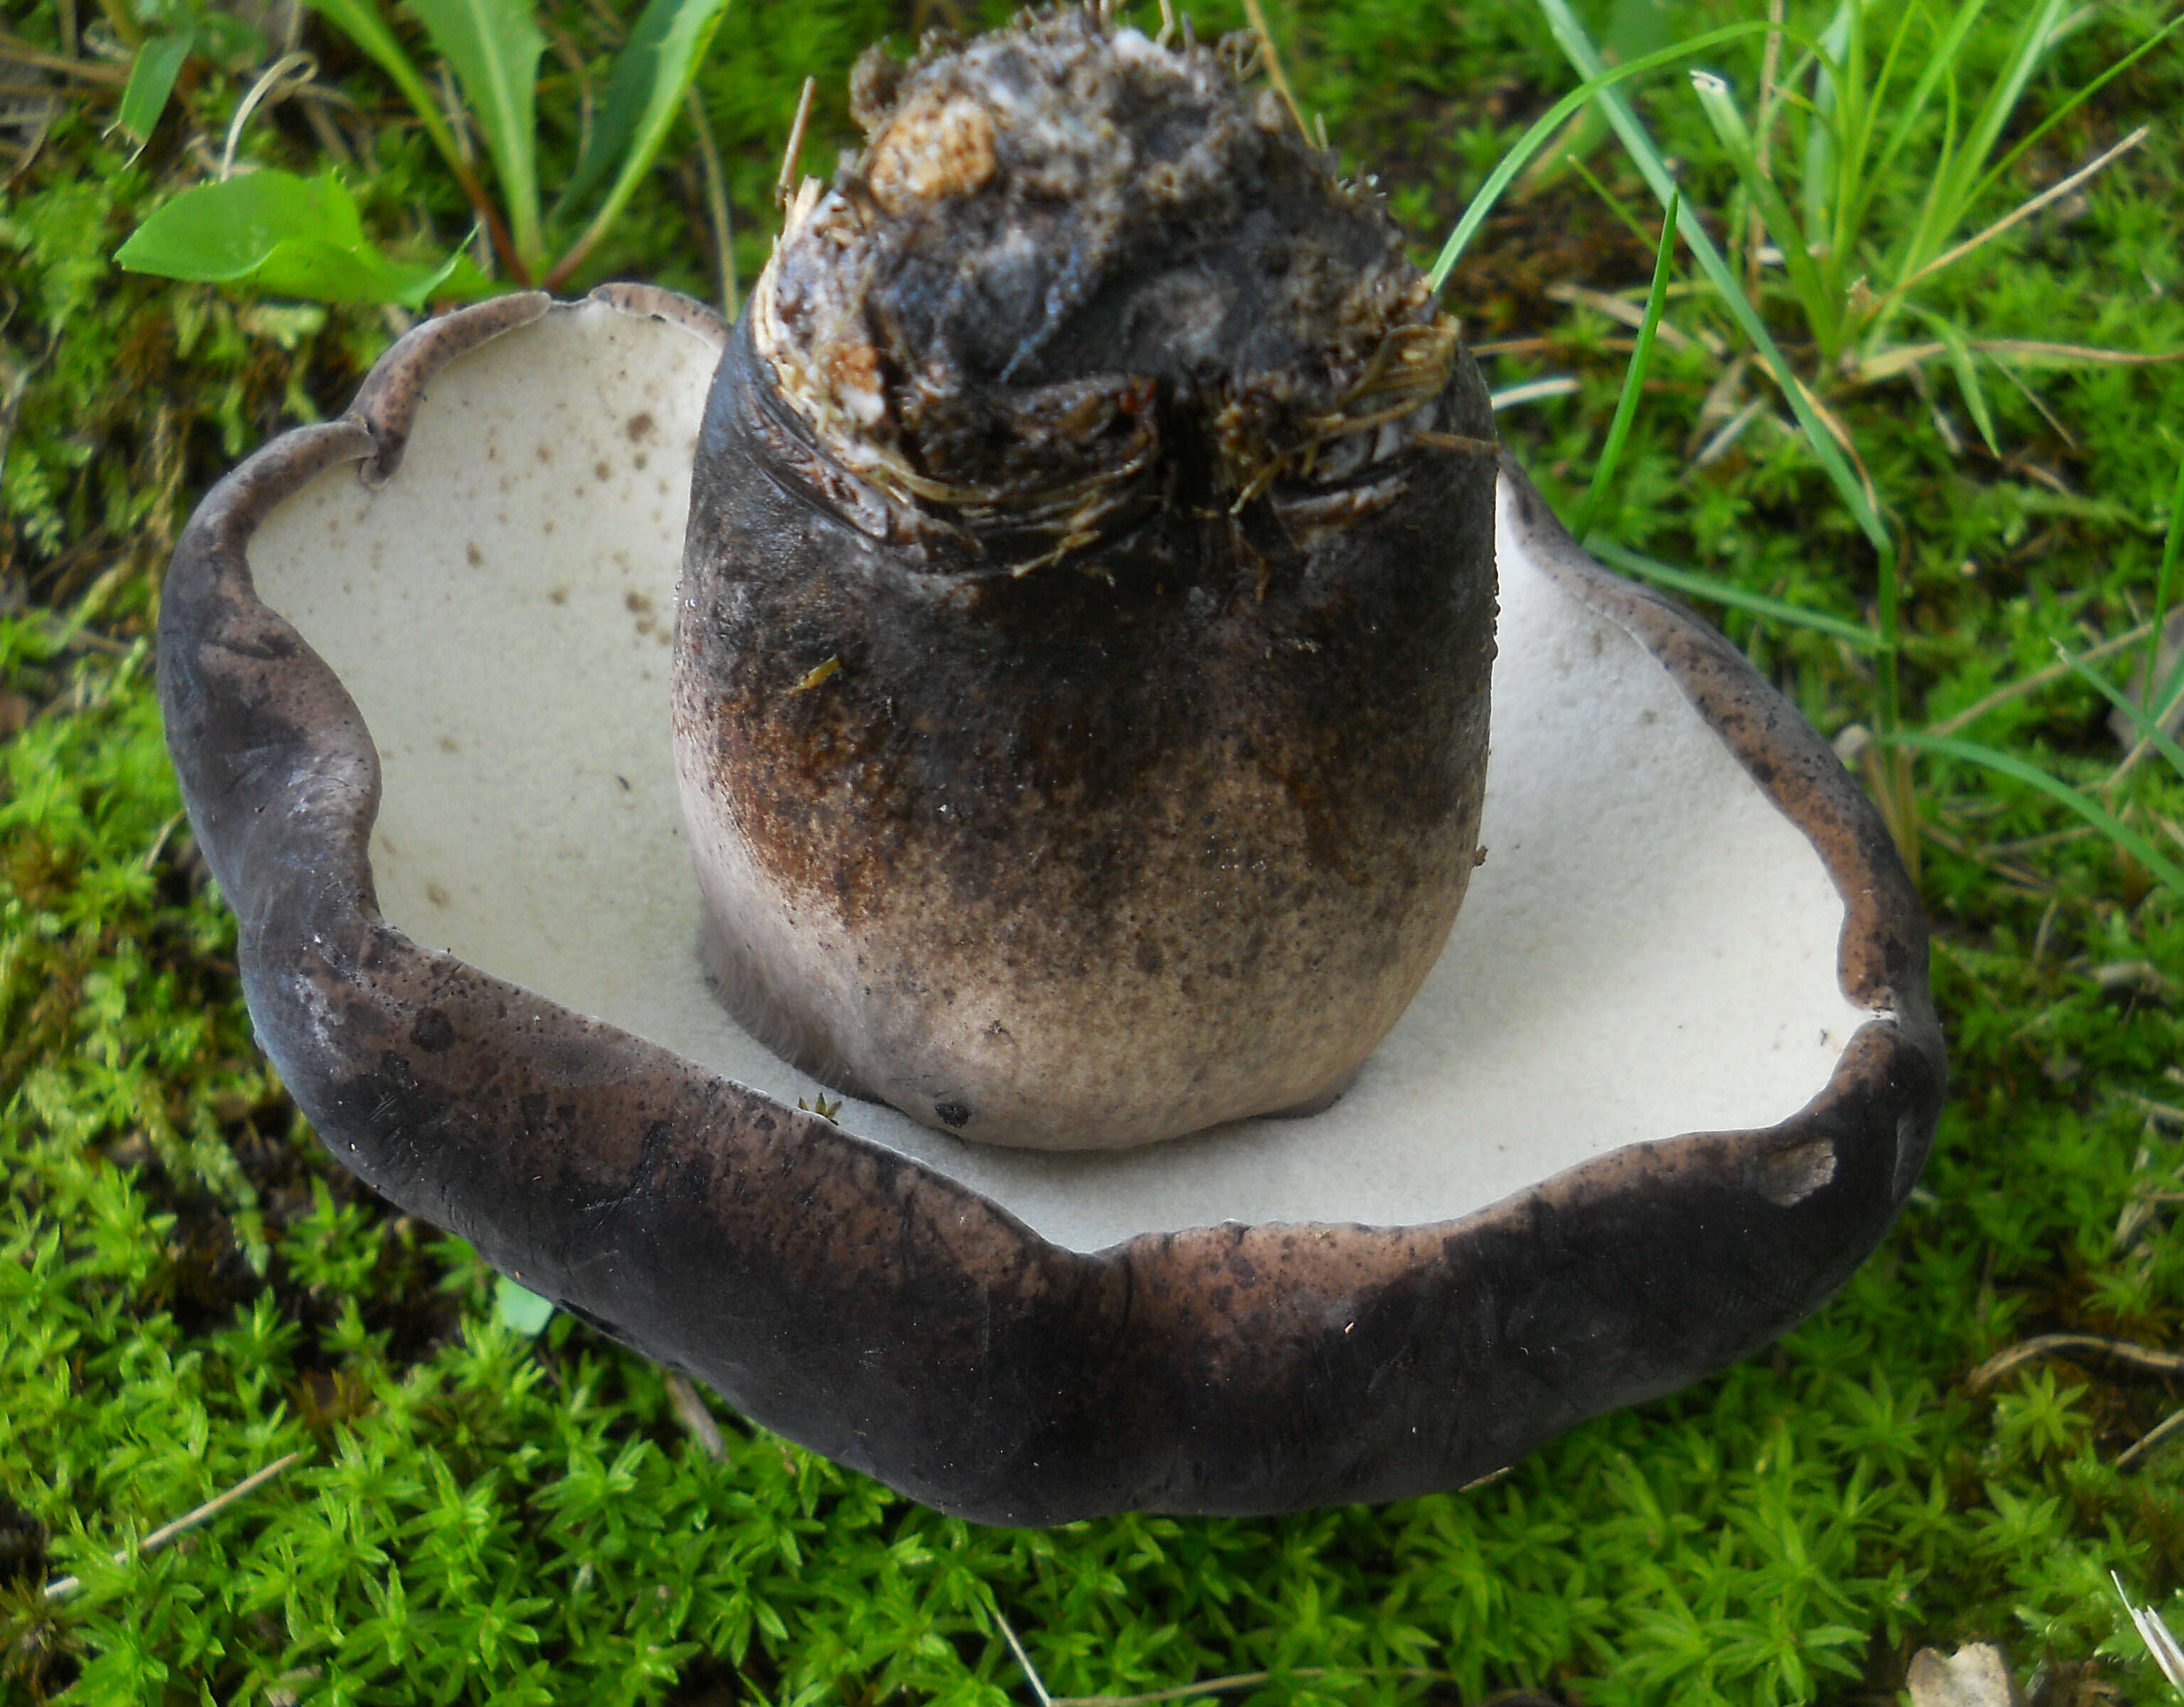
1670,1083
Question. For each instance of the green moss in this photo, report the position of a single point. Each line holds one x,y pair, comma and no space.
190,1289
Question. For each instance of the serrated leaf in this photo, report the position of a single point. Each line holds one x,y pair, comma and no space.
288,237
494,48
152,76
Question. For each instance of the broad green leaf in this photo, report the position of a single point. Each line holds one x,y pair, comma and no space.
218,232
649,81
285,235
639,70
324,272
495,46
152,76
522,1311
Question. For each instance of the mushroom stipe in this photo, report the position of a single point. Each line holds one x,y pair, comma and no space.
1083,649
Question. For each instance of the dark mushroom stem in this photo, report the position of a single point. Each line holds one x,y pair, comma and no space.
1088,606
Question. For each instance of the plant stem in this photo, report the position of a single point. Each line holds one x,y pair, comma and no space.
1770,70
717,202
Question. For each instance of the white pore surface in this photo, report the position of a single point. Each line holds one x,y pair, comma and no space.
1649,949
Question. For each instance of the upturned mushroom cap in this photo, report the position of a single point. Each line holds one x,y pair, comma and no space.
1087,608
1669,1086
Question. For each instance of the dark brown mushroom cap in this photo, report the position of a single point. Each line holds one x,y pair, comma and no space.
863,1302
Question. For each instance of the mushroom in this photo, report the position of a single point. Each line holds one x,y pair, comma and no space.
1671,1079
1088,609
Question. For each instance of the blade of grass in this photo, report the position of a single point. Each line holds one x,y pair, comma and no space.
1896,804
1910,117
1578,47
1613,202
2077,800
1719,592
2063,110
2165,588
1821,161
2023,211
717,202
1950,197
658,64
2145,721
1634,379
152,76
361,21
1963,363
1545,127
1736,142
2033,683
495,46
1770,95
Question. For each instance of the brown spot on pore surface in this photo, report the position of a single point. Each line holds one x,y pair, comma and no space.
472,554
601,472
434,1032
640,426
559,595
